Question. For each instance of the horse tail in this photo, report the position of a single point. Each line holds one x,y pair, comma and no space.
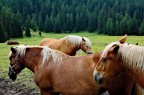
136,90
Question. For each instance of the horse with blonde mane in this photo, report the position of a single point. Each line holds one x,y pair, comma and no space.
119,57
69,44
55,71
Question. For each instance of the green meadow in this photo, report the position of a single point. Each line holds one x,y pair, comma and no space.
26,76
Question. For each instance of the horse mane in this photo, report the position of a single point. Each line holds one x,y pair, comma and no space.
77,40
132,56
20,51
48,52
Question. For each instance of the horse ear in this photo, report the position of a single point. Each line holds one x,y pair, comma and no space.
123,39
136,43
115,49
83,39
13,50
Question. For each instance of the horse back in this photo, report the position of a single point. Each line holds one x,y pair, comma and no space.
51,43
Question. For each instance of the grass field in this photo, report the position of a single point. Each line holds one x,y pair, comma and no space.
26,76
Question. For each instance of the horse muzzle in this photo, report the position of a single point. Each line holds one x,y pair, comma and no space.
12,75
98,77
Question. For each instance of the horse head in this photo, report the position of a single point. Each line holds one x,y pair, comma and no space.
86,45
109,65
15,64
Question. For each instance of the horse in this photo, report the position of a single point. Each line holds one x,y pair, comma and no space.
11,42
117,58
56,71
69,44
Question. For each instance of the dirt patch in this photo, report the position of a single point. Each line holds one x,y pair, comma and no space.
7,87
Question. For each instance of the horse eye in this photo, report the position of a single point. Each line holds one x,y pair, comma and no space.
103,60
87,46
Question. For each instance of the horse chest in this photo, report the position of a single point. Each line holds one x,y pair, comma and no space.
43,79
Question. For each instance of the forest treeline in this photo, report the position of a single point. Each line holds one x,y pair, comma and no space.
111,17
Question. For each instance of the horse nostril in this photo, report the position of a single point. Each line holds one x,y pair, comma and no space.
100,81
98,77
12,75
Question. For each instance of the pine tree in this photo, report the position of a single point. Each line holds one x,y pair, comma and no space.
18,24
91,23
34,24
69,22
100,21
110,27
57,27
117,28
2,32
40,23
48,24
27,27
77,23
141,29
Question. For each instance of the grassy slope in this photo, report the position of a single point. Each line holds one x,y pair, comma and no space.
26,76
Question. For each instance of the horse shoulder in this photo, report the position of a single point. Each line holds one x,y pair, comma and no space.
43,75
62,44
42,42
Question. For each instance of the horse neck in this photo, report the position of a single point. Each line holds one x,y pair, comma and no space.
132,59
69,48
134,65
32,59
96,57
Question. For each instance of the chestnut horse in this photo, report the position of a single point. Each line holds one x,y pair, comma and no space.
117,58
56,71
69,44
11,42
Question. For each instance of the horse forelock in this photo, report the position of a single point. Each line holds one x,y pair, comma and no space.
48,53
20,50
132,56
88,42
107,48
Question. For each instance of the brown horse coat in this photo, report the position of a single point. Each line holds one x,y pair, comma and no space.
54,70
69,44
110,66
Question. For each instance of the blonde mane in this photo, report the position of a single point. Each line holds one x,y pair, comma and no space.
48,52
107,48
132,56
20,51
77,40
